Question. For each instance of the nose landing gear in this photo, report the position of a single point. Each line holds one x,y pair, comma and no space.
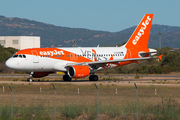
30,77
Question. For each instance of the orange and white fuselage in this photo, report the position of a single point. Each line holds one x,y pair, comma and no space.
79,62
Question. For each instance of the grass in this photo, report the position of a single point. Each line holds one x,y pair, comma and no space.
162,110
29,103
137,77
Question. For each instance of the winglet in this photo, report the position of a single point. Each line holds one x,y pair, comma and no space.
160,57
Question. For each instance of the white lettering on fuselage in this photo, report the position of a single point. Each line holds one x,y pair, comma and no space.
55,52
141,31
99,56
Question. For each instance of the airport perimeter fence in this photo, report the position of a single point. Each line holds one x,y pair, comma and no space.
74,102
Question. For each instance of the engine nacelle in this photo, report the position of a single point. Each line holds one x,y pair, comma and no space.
78,71
40,74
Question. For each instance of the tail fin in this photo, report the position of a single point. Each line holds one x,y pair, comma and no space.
140,37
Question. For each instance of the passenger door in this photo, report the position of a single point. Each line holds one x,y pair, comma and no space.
35,56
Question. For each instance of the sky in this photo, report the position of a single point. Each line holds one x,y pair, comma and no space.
103,15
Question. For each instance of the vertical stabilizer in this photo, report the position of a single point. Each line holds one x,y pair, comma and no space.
140,37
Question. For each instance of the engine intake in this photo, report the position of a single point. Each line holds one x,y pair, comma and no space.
77,71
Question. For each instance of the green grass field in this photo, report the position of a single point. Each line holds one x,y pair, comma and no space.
30,103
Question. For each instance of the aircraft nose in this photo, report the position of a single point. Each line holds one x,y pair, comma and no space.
9,63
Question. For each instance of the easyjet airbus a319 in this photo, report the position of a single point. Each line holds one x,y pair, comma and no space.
78,62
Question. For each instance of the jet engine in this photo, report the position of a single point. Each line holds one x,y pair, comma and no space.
78,71
40,74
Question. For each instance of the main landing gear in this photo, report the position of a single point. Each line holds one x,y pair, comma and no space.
93,78
66,78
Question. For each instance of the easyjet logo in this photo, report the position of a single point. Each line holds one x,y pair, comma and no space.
141,31
55,52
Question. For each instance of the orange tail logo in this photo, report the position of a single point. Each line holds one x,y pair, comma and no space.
140,37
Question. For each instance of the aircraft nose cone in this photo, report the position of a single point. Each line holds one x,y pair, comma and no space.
9,63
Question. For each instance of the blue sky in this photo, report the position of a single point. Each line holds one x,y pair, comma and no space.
105,15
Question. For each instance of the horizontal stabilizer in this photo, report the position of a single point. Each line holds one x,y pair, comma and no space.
160,57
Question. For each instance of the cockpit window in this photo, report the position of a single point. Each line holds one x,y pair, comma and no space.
19,56
24,56
15,56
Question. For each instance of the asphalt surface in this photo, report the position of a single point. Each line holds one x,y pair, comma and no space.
104,77
56,75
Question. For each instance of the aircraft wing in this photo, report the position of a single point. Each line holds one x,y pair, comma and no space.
110,61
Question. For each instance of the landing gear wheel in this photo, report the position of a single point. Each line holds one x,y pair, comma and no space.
66,78
30,77
29,80
93,78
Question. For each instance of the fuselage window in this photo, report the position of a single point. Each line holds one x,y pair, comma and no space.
67,55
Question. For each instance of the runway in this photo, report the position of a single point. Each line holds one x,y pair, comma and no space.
56,75
105,79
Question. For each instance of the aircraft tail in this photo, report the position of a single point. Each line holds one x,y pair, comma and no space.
140,37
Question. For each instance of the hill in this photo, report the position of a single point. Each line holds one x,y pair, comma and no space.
56,36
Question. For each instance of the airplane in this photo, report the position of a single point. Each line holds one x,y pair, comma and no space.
79,62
